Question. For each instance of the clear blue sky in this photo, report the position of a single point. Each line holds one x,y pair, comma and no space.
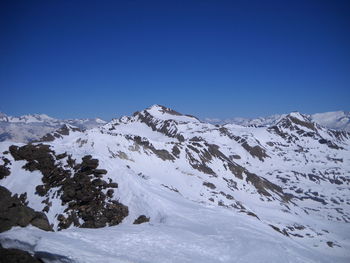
206,58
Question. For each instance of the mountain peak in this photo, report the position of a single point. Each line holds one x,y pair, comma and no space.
156,108
298,115
295,118
164,113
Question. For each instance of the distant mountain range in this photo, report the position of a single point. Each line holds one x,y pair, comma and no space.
31,127
339,120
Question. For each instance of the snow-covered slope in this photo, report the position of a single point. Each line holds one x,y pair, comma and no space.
339,120
32,127
211,193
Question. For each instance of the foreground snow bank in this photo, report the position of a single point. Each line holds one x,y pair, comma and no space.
199,234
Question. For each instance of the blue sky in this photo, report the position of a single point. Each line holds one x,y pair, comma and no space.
206,58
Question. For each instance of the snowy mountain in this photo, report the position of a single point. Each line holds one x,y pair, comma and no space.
339,120
160,186
32,127
335,120
261,121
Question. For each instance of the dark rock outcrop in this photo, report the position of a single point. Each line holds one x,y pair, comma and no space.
4,170
160,153
13,212
209,185
63,131
256,151
141,219
86,194
11,255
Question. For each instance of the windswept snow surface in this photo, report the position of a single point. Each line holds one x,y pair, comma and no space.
226,194
189,232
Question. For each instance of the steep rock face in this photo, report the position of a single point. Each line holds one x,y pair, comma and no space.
130,166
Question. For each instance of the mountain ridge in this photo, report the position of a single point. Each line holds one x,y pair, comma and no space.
32,127
287,183
339,120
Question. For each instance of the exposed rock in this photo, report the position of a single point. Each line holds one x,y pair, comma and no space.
4,171
14,213
330,243
283,232
161,153
40,190
59,133
210,185
176,151
255,151
171,188
47,138
61,156
167,127
11,255
81,191
110,193
141,219
199,165
308,124
263,185
235,156
100,171
113,185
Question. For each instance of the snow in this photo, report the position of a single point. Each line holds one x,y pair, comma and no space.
185,226
333,120
28,128
26,182
297,115
98,120
159,113
193,234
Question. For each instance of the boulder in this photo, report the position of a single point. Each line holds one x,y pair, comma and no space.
14,213
16,256
141,219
